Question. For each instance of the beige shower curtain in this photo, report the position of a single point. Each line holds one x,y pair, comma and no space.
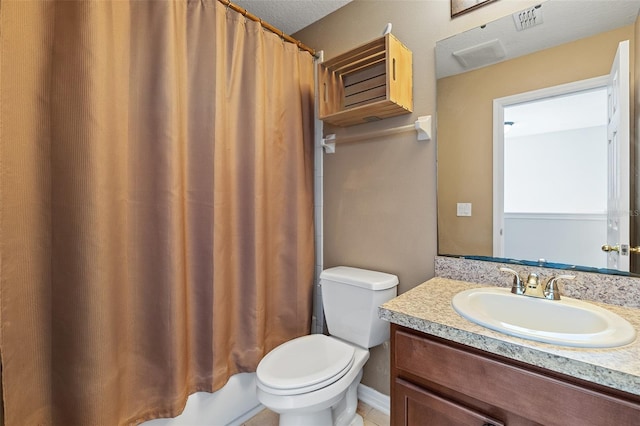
156,204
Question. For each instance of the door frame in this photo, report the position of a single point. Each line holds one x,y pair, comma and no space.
499,104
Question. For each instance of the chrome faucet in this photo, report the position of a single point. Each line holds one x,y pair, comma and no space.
551,290
533,286
518,286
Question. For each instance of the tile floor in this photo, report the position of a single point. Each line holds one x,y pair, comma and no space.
371,416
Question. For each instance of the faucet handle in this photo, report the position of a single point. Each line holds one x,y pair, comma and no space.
518,286
551,290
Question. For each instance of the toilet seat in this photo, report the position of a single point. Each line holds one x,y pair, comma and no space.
304,364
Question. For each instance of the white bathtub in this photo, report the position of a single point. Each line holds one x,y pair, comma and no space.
235,403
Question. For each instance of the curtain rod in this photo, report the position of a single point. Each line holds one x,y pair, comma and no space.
268,26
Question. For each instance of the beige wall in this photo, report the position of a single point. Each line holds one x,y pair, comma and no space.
465,129
380,195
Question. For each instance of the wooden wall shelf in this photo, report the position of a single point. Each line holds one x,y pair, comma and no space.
368,83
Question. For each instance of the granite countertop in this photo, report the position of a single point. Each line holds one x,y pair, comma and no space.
427,308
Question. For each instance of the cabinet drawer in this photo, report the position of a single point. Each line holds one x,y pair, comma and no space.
545,400
414,406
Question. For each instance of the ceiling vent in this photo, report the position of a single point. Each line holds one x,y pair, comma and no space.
528,18
481,54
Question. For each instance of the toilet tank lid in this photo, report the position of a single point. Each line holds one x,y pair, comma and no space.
359,277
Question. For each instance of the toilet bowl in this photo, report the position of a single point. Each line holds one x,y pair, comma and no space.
316,373
313,380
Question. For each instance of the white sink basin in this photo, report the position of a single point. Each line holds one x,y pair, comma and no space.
565,322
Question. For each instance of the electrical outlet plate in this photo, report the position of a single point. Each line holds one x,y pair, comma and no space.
464,209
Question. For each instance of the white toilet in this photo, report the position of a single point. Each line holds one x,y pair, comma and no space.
313,380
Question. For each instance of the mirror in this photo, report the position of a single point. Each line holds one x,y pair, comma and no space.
563,204
570,41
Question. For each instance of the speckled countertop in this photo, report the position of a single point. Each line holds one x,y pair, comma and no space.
427,308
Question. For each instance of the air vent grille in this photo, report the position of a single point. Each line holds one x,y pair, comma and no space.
528,18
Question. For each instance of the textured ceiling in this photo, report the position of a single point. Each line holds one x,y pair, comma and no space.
290,15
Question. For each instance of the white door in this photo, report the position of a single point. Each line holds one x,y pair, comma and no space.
618,159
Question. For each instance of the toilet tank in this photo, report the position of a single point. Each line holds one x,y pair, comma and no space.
351,297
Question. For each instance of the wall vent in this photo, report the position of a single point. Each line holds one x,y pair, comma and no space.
528,18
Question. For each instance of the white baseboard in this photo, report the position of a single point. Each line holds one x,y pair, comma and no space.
246,416
375,399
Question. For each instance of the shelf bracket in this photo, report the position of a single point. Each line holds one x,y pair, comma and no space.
423,128
329,144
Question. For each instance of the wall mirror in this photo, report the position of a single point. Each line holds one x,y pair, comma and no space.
554,44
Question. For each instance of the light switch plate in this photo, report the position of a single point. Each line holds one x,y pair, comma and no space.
464,209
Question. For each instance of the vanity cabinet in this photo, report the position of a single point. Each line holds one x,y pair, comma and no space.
438,382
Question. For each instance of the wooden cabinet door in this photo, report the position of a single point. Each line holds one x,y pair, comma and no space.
481,382
415,406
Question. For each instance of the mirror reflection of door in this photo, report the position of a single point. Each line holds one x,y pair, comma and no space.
618,211
558,197
555,179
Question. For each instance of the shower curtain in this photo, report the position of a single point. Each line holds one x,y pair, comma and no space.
156,204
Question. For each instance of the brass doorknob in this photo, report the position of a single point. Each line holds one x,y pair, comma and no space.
634,249
609,248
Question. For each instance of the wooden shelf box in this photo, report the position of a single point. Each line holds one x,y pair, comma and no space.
368,83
